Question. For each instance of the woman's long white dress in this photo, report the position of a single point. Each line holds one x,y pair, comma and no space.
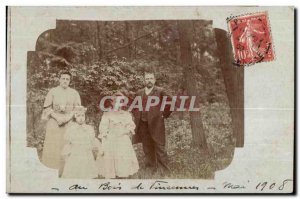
119,159
62,102
80,161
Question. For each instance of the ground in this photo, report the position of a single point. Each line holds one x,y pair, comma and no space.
185,161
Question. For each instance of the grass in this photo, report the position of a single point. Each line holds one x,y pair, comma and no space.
188,164
185,161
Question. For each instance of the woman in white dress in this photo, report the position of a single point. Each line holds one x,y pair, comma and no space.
78,151
118,159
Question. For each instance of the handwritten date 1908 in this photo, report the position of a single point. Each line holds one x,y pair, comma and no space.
270,186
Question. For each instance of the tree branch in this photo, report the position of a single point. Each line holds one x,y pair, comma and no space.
134,40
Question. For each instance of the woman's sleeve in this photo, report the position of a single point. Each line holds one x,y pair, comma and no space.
48,106
77,99
104,125
131,125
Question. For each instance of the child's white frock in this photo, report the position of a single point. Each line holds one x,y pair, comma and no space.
119,159
80,162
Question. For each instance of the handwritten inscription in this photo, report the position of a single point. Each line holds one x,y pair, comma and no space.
107,186
77,187
229,185
139,187
271,186
165,185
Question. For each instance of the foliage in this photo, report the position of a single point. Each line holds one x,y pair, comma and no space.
107,56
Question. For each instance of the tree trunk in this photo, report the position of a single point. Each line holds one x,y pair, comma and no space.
234,83
137,29
127,50
98,41
189,71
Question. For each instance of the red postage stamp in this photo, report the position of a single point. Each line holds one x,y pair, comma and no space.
251,38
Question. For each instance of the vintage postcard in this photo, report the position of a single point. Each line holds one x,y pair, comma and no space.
150,100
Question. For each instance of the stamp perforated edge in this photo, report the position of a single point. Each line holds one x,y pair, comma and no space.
232,17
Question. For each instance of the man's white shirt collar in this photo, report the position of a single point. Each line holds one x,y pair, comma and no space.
148,90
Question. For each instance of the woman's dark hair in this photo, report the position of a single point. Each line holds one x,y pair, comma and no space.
65,72
121,93
108,102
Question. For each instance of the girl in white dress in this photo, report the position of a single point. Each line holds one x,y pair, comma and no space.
118,159
78,151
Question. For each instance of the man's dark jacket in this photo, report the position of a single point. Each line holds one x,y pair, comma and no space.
156,125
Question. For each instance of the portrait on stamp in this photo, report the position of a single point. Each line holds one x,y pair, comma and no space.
251,38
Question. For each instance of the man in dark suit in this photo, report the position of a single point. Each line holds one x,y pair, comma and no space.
150,126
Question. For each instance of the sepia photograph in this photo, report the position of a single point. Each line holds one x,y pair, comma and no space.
194,103
75,65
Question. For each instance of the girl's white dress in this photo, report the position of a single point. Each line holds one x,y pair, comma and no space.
78,150
119,158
